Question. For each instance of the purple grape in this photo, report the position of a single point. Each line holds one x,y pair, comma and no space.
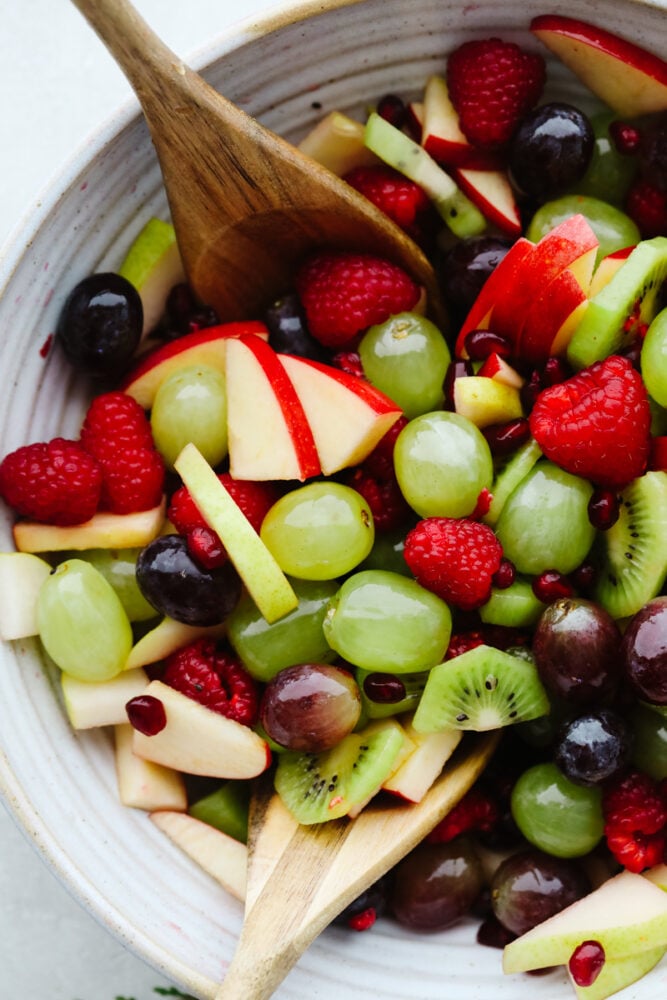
310,706
436,885
100,325
550,151
531,886
644,652
466,267
593,747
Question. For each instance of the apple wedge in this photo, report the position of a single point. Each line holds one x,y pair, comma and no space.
153,265
267,584
168,636
485,401
627,915
141,783
102,531
626,77
202,347
21,576
431,751
551,320
441,135
268,431
222,857
497,368
347,415
607,268
90,704
197,740
493,194
337,142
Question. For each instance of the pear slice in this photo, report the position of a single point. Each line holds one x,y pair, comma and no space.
142,784
168,636
431,751
153,265
101,703
224,858
21,576
617,973
103,531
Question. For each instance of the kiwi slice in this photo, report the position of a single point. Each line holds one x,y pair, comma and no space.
226,809
626,303
507,476
484,688
631,556
316,787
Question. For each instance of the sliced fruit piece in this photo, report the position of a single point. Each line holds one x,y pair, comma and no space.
197,740
486,401
551,320
266,582
141,783
624,307
617,973
631,555
346,414
481,689
226,809
153,265
268,431
508,475
407,747
493,194
607,268
168,636
441,135
626,915
623,75
410,159
21,577
337,142
89,704
431,751
497,368
323,786
658,875
202,347
224,858
103,531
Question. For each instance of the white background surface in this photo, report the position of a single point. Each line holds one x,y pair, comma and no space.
57,83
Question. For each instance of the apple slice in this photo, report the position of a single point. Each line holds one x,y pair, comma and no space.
168,636
493,194
90,704
222,857
153,265
103,531
441,135
268,431
202,347
658,875
141,783
551,320
607,268
267,584
415,119
626,914
485,401
347,415
415,775
197,740
626,77
497,368
337,142
21,577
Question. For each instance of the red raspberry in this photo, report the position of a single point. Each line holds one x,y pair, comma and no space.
475,811
597,423
57,482
388,505
461,642
395,195
114,421
647,206
208,673
635,814
492,84
343,293
380,462
454,558
133,480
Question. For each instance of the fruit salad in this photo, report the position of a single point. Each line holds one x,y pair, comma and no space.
330,541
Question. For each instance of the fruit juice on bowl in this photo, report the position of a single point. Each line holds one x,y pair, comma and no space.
140,885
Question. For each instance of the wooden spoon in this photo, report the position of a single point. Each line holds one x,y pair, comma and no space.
301,877
246,205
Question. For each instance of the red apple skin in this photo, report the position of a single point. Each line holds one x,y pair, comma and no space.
541,335
607,268
441,135
496,367
374,399
491,191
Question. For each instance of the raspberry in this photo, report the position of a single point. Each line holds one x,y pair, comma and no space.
380,462
208,673
343,293
454,558
647,206
492,84
597,423
133,480
114,421
475,811
56,481
395,195
461,642
635,814
388,505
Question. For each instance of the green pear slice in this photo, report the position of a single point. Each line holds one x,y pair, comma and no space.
617,973
224,858
626,915
168,636
103,531
337,142
142,784
267,584
21,576
153,265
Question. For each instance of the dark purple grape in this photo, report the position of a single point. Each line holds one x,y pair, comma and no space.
310,706
492,934
100,325
550,150
576,645
593,747
436,885
184,313
644,652
531,886
288,332
180,588
465,268
653,152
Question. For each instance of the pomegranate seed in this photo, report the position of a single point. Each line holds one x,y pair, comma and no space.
626,138
603,509
363,921
146,714
479,344
348,361
584,577
384,689
530,390
483,504
392,109
555,371
505,438
504,575
551,585
457,369
586,963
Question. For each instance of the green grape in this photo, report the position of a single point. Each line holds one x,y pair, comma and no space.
544,524
191,406
118,567
82,623
649,750
296,638
515,606
556,815
320,531
387,553
407,357
609,173
654,359
383,621
613,228
442,464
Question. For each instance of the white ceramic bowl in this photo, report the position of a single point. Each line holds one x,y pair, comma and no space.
61,787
